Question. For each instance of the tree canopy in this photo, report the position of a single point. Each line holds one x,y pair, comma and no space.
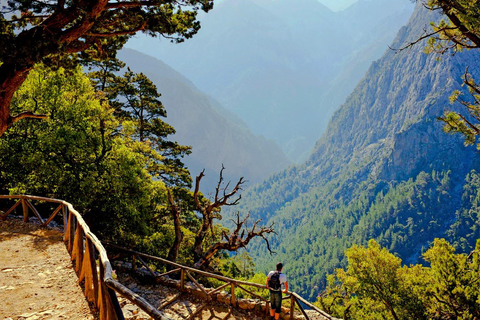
461,31
35,31
376,286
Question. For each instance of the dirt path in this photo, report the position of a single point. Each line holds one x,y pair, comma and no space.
36,276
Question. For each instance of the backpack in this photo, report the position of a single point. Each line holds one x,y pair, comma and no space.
274,281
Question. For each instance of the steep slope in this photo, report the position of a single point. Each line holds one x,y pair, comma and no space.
216,135
383,170
273,62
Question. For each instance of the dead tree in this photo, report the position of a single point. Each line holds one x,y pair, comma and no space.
175,211
238,239
210,210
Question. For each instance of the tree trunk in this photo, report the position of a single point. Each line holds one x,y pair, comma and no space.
11,78
199,237
173,253
205,259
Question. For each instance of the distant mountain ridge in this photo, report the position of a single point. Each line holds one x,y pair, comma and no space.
283,66
216,135
384,169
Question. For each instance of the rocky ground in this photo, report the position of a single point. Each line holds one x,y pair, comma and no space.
37,282
182,308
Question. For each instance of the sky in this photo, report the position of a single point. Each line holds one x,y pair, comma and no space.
337,5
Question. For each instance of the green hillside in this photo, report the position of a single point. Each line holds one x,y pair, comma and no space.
384,170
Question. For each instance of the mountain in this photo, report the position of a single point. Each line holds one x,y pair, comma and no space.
383,169
274,63
215,134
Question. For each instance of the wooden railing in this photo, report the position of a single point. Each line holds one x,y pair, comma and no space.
229,284
94,268
89,258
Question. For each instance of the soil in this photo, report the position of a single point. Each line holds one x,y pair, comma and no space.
37,280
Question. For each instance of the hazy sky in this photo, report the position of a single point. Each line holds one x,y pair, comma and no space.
337,5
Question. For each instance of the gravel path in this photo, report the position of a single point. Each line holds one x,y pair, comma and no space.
37,280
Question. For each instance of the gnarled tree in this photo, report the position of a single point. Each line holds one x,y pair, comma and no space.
210,210
205,248
33,31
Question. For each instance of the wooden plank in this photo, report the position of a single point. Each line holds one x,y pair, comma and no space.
57,210
169,301
197,311
95,271
200,272
182,279
102,308
199,286
70,232
146,266
25,210
136,299
77,253
232,292
308,304
168,272
303,311
117,310
11,209
292,307
25,196
250,292
87,272
219,288
134,262
35,212
64,216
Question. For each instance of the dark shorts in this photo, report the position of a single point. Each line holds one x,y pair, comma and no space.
276,301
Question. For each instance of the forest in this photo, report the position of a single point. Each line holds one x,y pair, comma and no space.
77,124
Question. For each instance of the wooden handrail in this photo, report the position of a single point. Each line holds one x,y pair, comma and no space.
100,287
104,290
229,281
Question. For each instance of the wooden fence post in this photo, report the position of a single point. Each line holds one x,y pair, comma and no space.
182,280
77,252
232,291
134,263
25,210
64,215
115,304
292,307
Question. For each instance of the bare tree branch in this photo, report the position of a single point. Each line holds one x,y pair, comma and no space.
232,241
423,37
236,240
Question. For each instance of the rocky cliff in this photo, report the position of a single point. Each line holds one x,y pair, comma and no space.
384,169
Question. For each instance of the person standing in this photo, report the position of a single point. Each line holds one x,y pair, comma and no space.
275,279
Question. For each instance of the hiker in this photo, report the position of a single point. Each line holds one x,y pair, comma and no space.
274,284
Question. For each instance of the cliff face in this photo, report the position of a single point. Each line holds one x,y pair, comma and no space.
391,115
384,169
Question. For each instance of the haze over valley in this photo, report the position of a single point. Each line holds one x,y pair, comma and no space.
283,66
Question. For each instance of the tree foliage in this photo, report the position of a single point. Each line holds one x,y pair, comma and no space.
376,286
45,31
137,105
132,191
77,154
